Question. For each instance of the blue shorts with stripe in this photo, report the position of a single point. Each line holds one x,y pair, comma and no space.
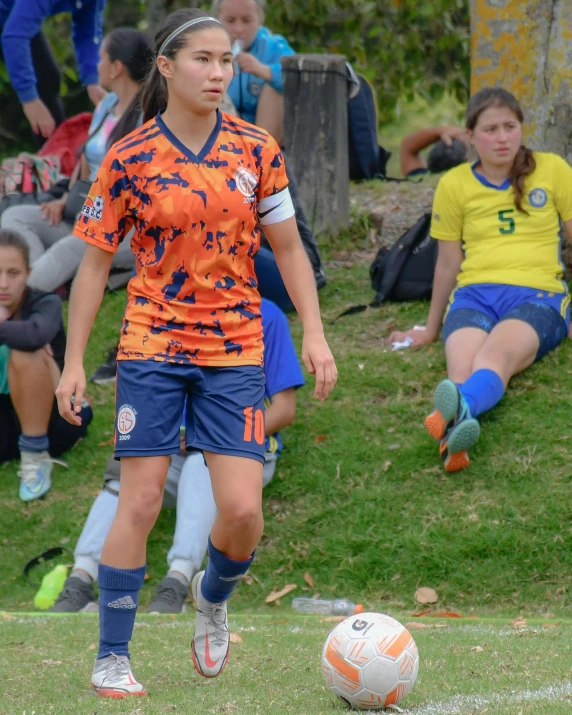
224,415
484,305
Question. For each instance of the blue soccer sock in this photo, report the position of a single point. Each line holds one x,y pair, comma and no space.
33,444
118,595
221,575
482,391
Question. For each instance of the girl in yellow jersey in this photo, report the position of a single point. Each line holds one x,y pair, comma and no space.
498,279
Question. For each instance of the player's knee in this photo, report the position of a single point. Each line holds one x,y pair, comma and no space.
21,361
243,518
143,509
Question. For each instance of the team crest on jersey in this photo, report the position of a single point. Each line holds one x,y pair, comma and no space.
126,419
246,182
93,208
538,198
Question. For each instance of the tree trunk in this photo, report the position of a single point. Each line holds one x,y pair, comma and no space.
316,137
525,46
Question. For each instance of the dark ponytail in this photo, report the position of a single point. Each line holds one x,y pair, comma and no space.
155,94
524,162
523,165
133,49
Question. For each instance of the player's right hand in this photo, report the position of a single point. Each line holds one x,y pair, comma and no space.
69,394
39,117
53,211
418,336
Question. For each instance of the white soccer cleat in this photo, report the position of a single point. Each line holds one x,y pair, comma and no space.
35,475
112,678
210,647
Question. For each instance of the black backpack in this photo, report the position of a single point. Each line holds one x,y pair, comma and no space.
405,271
368,160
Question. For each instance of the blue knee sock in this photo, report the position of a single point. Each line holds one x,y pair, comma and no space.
482,391
221,575
118,594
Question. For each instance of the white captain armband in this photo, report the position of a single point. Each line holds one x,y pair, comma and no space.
275,208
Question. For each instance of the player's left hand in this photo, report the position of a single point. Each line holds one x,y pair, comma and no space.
319,361
248,63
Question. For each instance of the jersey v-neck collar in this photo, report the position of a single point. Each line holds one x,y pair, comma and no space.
195,158
485,182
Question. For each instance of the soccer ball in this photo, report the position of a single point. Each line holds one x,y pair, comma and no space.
370,661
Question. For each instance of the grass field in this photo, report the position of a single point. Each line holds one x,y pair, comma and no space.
360,507
360,500
467,668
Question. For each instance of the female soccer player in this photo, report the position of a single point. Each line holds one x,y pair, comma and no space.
497,223
194,183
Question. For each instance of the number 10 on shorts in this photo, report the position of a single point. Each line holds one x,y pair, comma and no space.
254,425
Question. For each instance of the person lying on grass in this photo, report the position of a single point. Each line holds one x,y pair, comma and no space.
32,346
498,280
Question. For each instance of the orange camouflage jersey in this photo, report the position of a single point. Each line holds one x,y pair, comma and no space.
196,228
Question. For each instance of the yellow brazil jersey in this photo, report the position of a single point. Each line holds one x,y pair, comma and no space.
501,244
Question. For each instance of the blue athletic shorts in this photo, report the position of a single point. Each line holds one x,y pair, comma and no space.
486,304
225,409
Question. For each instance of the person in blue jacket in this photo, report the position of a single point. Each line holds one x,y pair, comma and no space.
32,68
256,89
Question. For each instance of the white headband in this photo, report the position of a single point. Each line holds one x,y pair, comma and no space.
184,27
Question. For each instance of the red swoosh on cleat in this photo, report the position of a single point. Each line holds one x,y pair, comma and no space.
208,662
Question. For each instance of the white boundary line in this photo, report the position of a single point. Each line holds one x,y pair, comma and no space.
463,704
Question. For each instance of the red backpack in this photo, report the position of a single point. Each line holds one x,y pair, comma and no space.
67,140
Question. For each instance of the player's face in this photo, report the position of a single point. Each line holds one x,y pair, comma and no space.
241,19
13,277
105,68
202,70
497,135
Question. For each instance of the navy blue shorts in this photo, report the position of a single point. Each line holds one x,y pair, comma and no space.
224,415
484,305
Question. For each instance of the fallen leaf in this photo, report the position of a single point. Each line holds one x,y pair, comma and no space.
107,443
248,580
320,438
446,614
519,622
416,626
65,540
477,649
386,465
50,662
92,646
275,595
426,595
393,446
551,626
7,616
421,613
235,638
333,619
309,580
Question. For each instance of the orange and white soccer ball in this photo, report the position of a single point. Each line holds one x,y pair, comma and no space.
370,661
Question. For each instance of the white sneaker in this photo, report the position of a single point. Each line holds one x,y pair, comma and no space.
112,678
35,475
210,647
